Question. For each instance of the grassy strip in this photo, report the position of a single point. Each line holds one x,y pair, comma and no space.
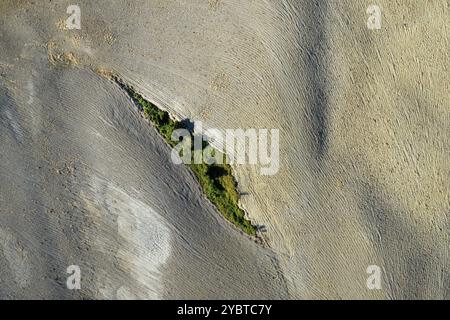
217,180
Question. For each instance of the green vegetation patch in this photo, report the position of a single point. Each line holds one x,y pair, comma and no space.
216,180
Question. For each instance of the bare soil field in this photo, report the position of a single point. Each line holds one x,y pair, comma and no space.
363,120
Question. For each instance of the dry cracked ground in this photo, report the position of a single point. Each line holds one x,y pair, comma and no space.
364,132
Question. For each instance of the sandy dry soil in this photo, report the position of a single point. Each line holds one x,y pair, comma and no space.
363,120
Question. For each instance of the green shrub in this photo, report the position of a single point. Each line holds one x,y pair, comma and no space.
217,180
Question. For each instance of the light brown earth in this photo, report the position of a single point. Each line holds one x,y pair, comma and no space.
363,120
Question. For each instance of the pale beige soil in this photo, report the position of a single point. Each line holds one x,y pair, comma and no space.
363,119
